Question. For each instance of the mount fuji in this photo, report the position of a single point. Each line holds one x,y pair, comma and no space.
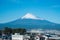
30,21
31,16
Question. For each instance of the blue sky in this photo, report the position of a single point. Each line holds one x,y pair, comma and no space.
14,9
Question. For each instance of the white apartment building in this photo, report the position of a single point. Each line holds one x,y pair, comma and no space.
17,36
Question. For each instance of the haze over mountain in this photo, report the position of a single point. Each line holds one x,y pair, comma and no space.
30,21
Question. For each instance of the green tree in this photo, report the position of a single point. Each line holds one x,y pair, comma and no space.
7,30
19,30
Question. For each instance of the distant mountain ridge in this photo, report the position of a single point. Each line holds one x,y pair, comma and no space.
32,22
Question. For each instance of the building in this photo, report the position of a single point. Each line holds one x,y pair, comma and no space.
26,37
36,35
17,36
54,37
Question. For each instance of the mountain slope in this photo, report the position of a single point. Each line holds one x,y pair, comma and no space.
31,22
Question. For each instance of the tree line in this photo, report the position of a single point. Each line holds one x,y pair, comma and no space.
8,30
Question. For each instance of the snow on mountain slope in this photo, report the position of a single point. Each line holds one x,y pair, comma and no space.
31,16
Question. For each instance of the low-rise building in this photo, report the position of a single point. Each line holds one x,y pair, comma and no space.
17,36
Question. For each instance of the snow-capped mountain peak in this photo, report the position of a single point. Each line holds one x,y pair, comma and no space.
30,16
